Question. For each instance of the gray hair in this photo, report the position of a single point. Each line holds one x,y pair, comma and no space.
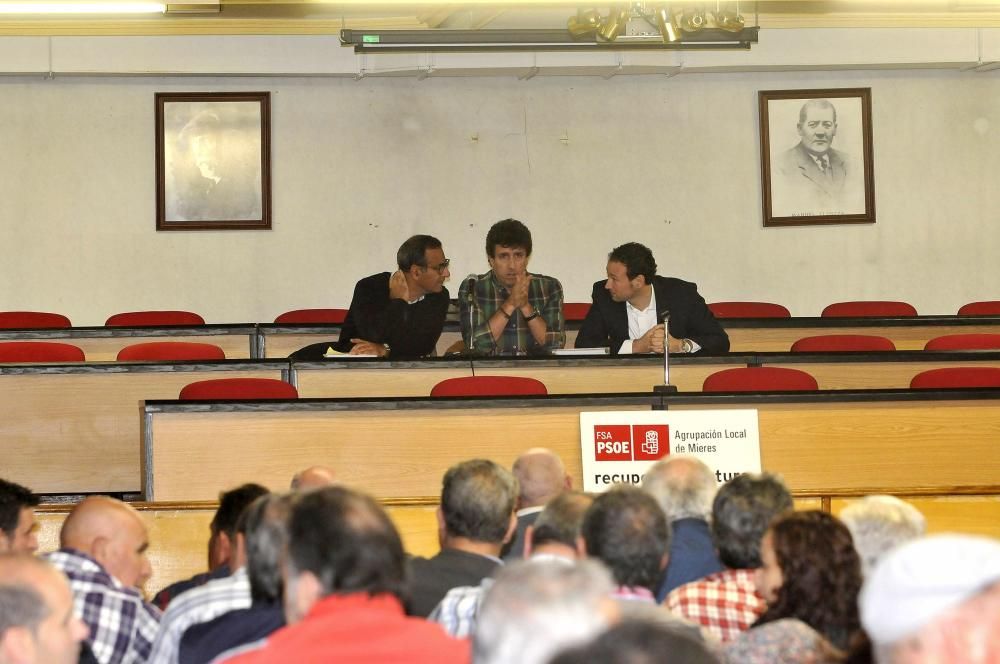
880,523
266,532
477,500
21,605
683,486
537,608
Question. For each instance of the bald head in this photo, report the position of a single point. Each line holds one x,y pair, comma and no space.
113,534
37,624
541,476
683,486
314,477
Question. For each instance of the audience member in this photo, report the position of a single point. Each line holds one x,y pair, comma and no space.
102,551
37,622
344,577
541,476
640,642
476,517
685,487
810,579
265,524
727,603
312,477
553,537
537,608
214,598
221,541
508,310
18,529
879,524
935,599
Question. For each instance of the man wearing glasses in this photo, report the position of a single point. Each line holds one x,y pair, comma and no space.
399,315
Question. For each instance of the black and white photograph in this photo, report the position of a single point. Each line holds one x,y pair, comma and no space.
212,162
816,157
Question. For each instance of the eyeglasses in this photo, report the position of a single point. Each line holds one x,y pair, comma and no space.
443,266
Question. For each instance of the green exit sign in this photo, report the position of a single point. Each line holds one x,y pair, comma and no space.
369,39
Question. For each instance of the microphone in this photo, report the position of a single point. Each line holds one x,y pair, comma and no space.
664,318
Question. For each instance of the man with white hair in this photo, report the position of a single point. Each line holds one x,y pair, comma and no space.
685,488
935,599
541,476
537,608
880,523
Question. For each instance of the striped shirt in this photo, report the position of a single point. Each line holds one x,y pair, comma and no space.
481,295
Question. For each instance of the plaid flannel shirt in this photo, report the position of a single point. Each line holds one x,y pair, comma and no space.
725,603
122,624
476,308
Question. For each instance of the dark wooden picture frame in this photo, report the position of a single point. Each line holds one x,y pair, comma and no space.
816,157
213,161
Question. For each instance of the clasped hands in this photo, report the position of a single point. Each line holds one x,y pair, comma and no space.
654,339
518,298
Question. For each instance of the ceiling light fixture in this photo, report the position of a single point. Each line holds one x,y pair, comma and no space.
82,7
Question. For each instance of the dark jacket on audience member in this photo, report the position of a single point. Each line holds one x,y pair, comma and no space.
692,555
432,578
204,642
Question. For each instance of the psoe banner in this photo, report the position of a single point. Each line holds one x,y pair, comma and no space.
617,447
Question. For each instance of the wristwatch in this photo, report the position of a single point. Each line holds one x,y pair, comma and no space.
535,313
687,346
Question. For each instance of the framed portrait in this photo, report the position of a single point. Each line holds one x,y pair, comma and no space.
213,161
816,156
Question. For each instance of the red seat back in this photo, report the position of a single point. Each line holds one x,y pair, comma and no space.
488,386
153,318
575,310
748,310
171,350
759,379
238,388
869,309
824,343
39,351
957,377
312,317
964,342
12,320
985,308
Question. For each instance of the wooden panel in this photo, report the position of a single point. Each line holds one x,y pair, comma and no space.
978,515
609,379
780,339
390,454
358,381
80,432
809,503
873,375
105,349
178,536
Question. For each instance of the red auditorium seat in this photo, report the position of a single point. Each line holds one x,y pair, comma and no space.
171,350
748,310
12,320
824,343
957,377
312,317
759,379
40,351
238,388
154,318
869,309
964,342
985,308
575,310
488,386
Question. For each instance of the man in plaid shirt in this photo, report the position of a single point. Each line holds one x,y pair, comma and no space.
727,603
509,311
103,554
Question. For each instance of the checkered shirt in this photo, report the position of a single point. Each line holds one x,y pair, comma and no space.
199,605
725,603
476,307
122,624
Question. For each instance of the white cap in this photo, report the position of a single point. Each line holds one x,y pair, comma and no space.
922,579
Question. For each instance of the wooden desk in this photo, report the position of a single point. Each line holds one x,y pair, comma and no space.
75,428
908,333
938,442
374,378
101,344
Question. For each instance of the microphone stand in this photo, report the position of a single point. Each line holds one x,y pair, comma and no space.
666,388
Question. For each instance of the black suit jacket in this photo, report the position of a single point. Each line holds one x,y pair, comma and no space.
432,578
690,318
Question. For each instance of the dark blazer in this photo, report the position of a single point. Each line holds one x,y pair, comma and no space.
432,578
515,548
690,318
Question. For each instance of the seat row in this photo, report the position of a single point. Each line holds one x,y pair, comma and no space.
572,311
166,351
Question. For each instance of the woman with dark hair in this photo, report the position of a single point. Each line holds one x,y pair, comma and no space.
810,579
